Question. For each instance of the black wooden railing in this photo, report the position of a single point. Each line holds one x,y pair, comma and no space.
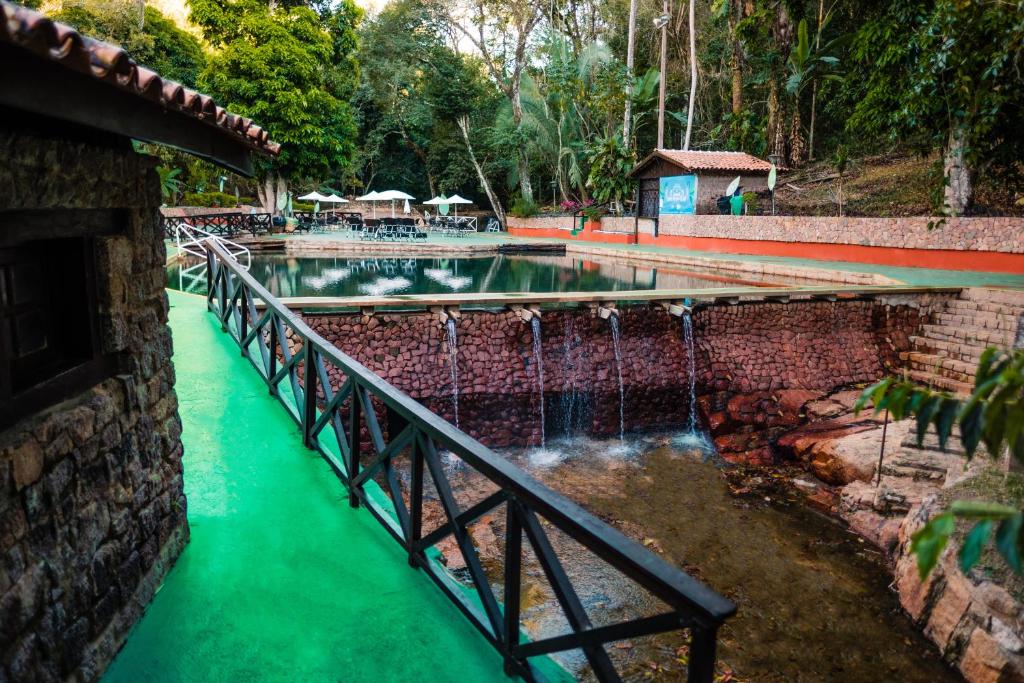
220,224
344,424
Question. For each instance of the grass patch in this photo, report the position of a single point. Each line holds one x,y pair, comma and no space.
993,485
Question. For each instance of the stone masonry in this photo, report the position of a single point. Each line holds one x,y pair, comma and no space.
746,354
92,510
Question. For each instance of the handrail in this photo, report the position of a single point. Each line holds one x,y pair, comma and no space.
323,410
196,239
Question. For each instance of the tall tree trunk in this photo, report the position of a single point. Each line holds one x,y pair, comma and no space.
959,190
627,119
693,78
775,138
525,186
736,60
797,146
270,190
463,124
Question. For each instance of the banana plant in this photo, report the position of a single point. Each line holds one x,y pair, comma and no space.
170,184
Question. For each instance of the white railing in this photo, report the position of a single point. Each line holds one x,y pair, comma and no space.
192,241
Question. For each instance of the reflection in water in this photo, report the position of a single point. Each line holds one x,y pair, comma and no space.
287,275
813,602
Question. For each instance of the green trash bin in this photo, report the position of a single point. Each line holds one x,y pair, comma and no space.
736,204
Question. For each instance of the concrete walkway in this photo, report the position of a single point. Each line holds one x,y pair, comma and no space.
282,581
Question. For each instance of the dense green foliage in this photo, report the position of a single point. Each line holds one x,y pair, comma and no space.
153,40
993,415
291,69
499,99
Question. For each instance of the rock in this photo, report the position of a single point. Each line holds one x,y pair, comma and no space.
28,463
985,662
950,607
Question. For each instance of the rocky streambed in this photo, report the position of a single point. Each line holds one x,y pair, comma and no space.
814,599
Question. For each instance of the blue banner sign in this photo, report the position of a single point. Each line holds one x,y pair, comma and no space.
678,195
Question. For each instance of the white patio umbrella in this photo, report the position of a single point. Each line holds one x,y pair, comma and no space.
335,199
394,195
441,202
405,209
314,197
456,200
371,196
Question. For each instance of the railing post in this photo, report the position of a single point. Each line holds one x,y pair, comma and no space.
210,263
308,394
272,319
513,583
415,499
243,301
354,439
702,654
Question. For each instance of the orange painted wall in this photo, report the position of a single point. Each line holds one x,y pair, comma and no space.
946,259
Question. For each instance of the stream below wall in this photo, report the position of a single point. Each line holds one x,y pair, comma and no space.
814,602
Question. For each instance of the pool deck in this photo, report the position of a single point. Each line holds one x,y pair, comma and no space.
910,276
282,581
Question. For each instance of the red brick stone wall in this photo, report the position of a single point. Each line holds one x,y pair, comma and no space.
744,349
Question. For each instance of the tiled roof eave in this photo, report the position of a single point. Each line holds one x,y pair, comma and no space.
61,44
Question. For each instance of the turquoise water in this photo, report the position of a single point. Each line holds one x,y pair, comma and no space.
288,275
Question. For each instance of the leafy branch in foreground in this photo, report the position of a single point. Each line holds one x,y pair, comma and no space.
992,415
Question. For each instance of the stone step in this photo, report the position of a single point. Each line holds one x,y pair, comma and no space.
969,353
987,321
961,307
943,383
1008,297
925,361
984,338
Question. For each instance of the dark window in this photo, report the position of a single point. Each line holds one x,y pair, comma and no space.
49,348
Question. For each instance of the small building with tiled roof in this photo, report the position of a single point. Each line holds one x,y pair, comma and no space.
91,492
713,170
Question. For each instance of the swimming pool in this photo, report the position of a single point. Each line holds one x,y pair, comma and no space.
293,275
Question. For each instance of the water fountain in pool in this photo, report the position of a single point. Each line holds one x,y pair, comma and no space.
613,321
538,358
453,364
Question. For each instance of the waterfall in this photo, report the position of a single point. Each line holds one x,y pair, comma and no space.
691,363
539,361
453,364
616,335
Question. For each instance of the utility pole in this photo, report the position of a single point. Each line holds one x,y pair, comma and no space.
662,23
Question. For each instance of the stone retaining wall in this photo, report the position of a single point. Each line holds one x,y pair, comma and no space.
970,234
998,234
92,509
750,349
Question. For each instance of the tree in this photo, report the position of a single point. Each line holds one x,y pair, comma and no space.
501,32
157,44
993,415
693,77
945,74
627,118
806,66
291,69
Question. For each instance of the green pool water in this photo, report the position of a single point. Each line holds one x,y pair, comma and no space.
289,275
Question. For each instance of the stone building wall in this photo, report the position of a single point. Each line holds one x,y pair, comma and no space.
92,510
755,349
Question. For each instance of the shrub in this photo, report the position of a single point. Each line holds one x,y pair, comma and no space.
213,199
750,199
594,213
522,208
